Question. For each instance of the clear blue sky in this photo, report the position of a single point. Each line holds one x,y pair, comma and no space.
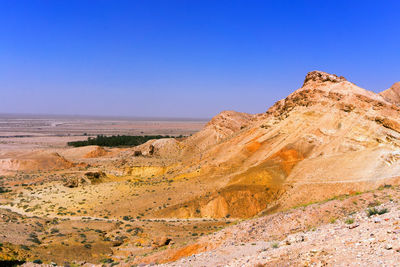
186,58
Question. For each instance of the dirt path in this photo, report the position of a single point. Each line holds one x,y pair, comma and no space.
77,218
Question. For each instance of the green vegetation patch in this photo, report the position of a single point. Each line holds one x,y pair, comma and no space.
118,140
375,211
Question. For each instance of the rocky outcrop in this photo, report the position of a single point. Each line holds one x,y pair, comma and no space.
73,182
34,161
161,241
88,178
95,177
321,77
388,123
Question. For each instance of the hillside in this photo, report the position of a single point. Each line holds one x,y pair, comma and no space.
327,138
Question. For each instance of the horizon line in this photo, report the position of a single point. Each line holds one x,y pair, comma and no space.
88,116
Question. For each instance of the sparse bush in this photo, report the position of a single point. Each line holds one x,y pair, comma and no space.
275,245
107,261
34,239
4,190
349,221
374,211
54,231
25,247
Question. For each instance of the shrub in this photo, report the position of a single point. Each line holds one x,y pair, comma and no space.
127,218
275,245
25,247
54,230
107,261
349,221
374,211
34,239
4,190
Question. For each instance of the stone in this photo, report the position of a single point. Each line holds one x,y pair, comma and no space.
353,226
388,246
161,241
294,239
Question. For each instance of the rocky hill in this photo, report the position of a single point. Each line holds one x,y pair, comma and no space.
327,138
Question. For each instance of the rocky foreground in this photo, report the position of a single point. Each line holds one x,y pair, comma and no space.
313,236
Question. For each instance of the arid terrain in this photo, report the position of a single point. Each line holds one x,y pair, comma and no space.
289,187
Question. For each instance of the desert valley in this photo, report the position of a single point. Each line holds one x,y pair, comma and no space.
312,181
